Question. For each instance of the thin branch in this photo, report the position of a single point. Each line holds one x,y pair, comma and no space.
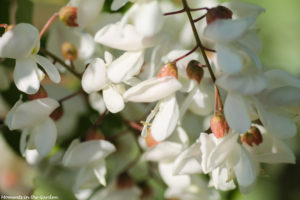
199,18
48,23
198,41
100,119
182,10
187,54
69,68
70,96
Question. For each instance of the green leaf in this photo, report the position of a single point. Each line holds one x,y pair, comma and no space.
24,12
45,188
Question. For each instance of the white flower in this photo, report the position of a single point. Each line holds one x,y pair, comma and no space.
152,90
234,40
137,29
33,119
22,43
87,11
271,106
109,76
90,157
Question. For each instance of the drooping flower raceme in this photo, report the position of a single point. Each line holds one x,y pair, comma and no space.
22,43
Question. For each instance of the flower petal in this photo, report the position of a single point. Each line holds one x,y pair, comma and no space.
126,66
180,181
19,42
164,151
236,114
123,37
279,125
227,30
94,77
45,136
117,4
49,68
248,84
166,119
113,99
96,101
245,171
189,161
100,172
87,10
152,89
223,151
148,18
280,78
30,114
26,76
82,154
229,60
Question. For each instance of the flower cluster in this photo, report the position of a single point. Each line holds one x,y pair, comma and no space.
187,77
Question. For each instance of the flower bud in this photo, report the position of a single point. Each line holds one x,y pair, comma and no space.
94,134
194,71
68,15
69,51
150,141
253,136
219,12
218,125
57,113
169,69
124,181
41,93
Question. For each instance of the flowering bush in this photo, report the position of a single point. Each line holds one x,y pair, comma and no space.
108,102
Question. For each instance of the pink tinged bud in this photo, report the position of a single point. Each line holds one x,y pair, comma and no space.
69,51
169,69
219,12
125,181
41,93
253,136
57,113
150,141
219,126
194,71
68,15
94,134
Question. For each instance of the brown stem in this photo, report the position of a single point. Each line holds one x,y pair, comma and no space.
199,18
182,10
198,41
60,62
48,23
70,96
100,119
187,54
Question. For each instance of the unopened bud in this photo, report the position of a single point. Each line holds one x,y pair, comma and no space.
253,136
68,15
125,181
219,12
94,134
57,113
41,93
194,71
150,141
169,69
219,126
69,51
